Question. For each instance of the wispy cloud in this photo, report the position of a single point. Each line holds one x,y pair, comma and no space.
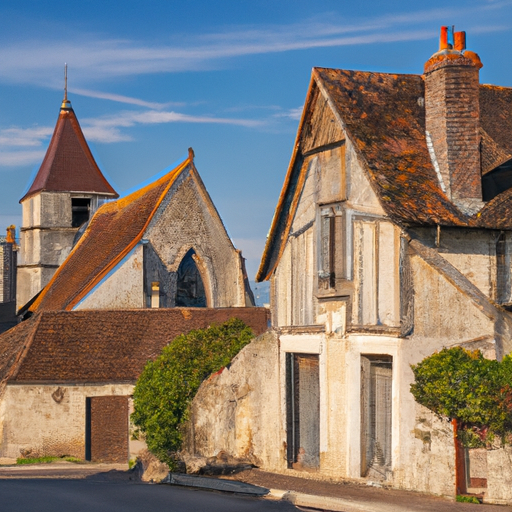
293,113
20,158
94,59
15,142
24,136
108,129
124,99
23,146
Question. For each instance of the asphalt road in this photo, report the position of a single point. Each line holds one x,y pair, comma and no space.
90,495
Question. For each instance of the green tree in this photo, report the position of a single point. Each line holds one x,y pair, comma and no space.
168,384
459,384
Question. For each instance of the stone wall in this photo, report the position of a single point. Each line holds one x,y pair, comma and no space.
40,420
237,410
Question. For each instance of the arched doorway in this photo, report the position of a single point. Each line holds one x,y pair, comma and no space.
190,288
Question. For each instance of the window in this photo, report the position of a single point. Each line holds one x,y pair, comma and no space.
330,257
80,207
190,288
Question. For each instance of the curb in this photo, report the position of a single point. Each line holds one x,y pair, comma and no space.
295,498
215,484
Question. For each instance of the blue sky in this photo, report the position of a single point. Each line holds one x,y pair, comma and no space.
148,80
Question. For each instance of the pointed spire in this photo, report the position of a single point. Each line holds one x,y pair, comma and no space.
69,165
66,104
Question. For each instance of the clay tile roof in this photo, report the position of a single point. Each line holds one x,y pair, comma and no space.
384,118
68,164
13,346
112,233
386,123
108,346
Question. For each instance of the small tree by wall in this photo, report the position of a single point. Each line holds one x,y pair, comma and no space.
167,385
462,385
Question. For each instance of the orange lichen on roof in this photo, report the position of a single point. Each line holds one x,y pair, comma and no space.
113,232
454,58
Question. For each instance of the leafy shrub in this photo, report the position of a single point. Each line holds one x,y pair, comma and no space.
167,385
459,384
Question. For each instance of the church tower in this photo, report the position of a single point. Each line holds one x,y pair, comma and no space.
67,189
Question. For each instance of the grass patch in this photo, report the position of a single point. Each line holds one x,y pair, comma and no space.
45,460
467,499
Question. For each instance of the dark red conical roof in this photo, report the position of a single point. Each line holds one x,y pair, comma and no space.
68,165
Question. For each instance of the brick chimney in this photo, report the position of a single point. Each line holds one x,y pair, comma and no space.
452,118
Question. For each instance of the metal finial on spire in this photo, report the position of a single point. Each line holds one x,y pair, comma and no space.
66,104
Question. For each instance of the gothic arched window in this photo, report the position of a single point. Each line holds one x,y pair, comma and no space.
190,289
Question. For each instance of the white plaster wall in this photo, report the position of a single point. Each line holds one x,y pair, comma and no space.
283,289
388,274
28,283
361,196
473,253
425,454
442,312
332,184
499,477
443,317
32,422
123,289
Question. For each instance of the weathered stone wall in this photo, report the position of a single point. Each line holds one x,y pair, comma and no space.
238,410
188,219
39,420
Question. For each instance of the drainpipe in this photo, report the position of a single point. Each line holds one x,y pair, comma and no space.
460,470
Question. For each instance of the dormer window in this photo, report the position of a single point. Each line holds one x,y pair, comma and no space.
80,209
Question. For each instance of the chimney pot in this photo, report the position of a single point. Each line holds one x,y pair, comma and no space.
460,41
443,41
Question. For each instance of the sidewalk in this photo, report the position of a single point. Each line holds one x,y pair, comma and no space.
352,497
